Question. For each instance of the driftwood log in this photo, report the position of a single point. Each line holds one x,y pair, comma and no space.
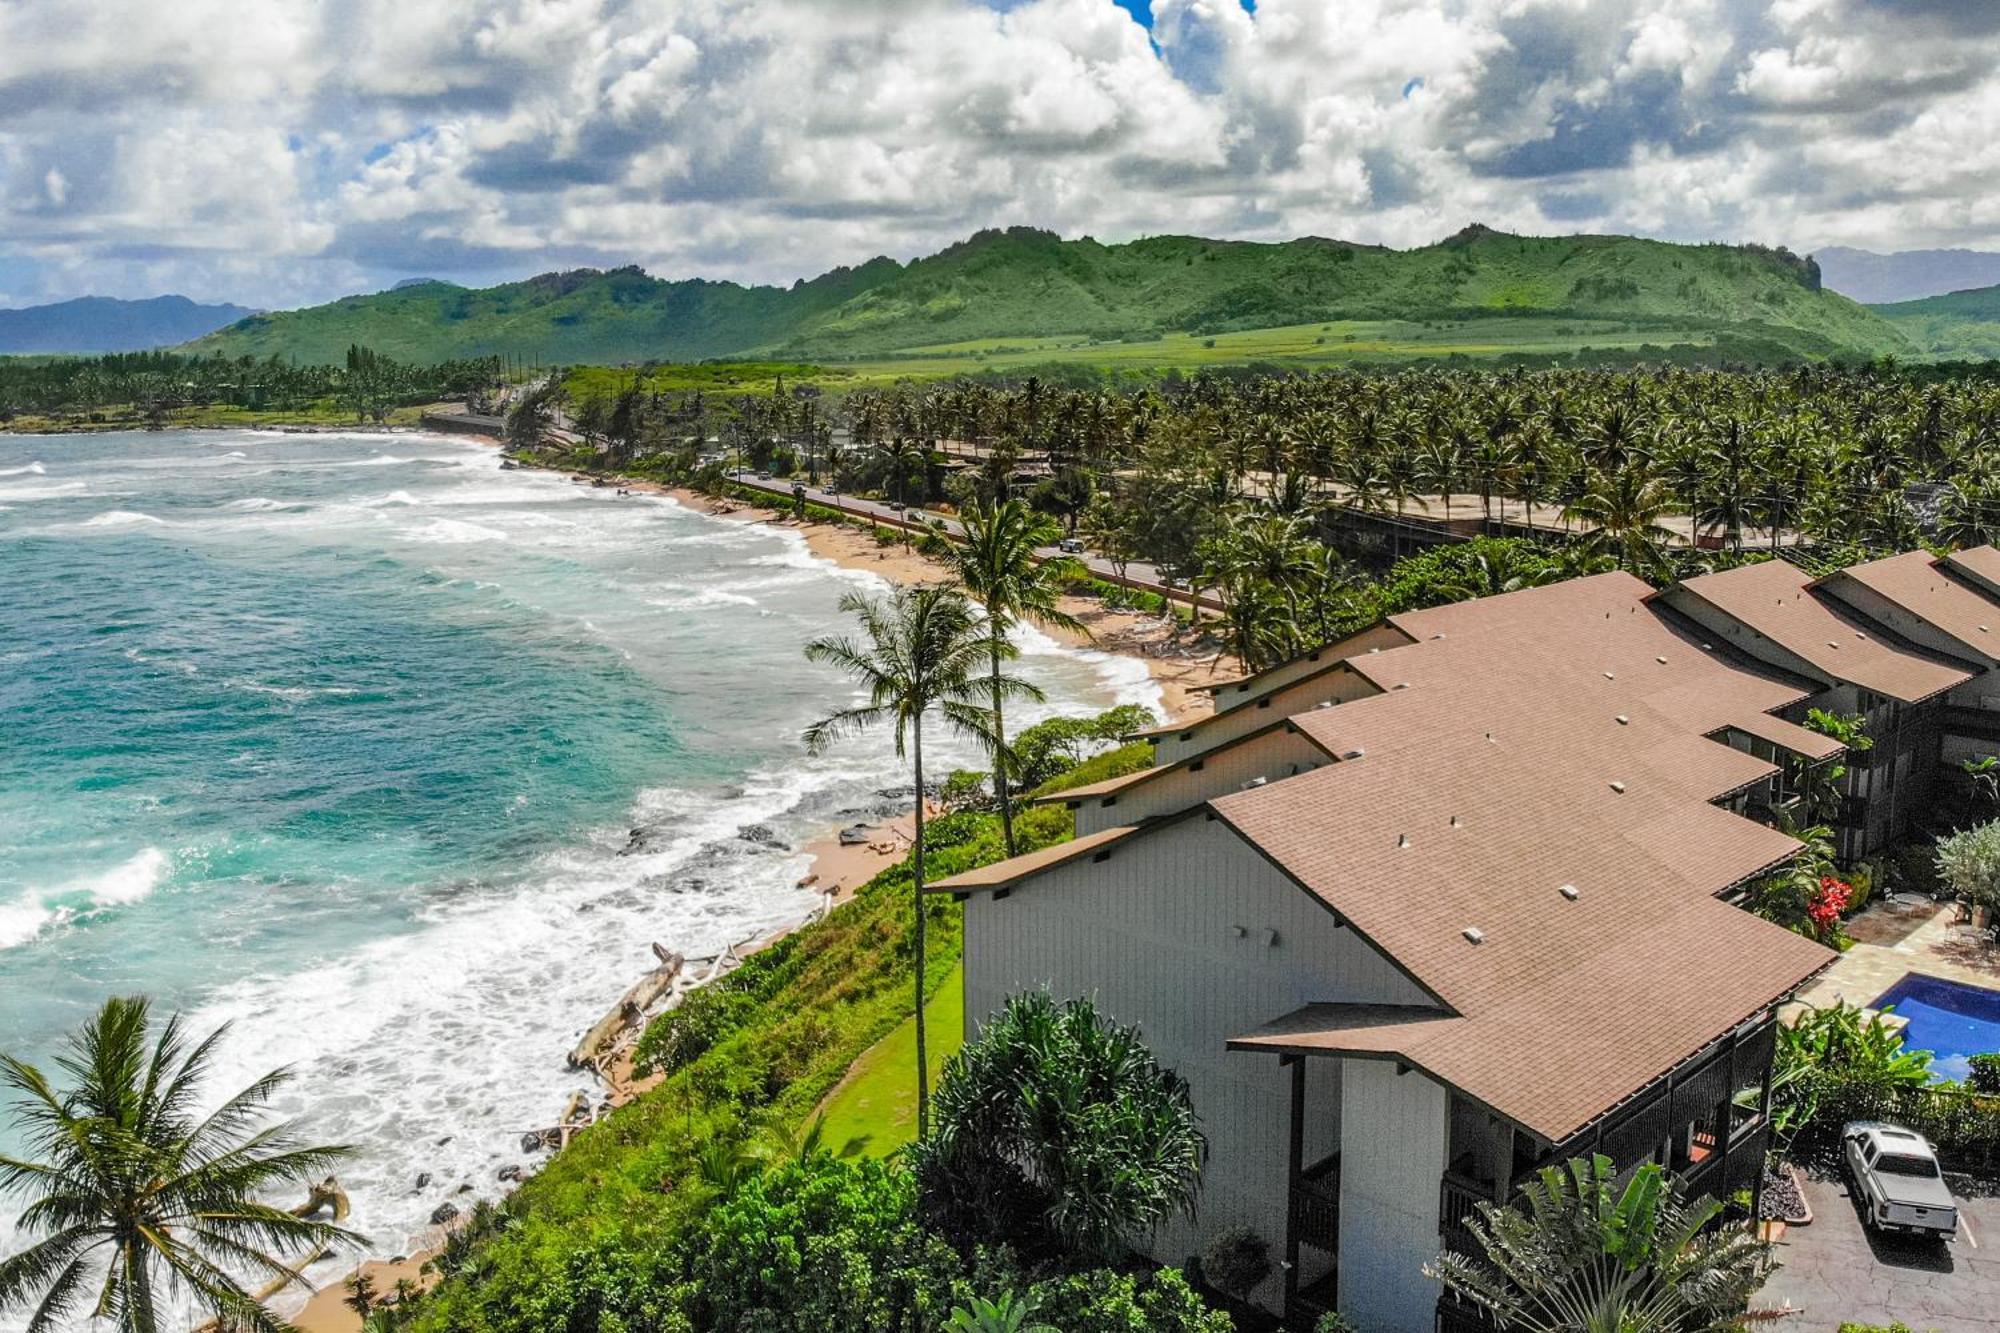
644,993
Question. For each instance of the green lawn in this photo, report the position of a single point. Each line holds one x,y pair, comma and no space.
874,1109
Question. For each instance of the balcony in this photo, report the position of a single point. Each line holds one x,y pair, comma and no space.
1459,1197
1316,1205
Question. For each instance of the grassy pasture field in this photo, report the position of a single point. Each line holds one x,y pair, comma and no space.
1338,342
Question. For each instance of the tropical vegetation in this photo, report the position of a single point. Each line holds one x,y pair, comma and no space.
1058,1133
922,654
1581,1251
136,1197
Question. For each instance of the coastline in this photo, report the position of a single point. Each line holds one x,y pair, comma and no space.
835,871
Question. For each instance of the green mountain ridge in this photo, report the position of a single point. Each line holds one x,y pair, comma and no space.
1963,325
1027,283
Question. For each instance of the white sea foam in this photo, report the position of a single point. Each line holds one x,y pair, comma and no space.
452,532
24,919
42,492
130,880
26,469
392,498
256,504
122,518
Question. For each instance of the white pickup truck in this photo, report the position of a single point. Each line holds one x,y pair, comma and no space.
1897,1181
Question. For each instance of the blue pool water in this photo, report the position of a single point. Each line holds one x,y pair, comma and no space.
343,738
1951,1020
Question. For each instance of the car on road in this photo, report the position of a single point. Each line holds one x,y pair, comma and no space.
1070,546
1897,1181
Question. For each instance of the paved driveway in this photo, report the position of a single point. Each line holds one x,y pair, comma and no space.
1836,1270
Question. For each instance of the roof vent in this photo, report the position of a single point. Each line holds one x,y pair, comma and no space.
1355,753
1624,721
1568,891
1400,685
1831,644
1661,660
1610,676
1618,786
1402,841
1490,740
1475,934
1255,782
1437,636
1324,703
1708,647
1456,822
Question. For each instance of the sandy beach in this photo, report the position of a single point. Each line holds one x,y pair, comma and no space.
837,870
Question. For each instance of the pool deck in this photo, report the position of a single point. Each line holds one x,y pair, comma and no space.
1897,937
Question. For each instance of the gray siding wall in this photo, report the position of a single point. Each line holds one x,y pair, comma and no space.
1734,631
1277,755
1338,685
1914,628
1389,1196
1191,934
1375,636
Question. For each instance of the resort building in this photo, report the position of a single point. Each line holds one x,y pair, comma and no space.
1450,900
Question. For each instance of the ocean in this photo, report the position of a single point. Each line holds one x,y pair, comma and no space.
343,739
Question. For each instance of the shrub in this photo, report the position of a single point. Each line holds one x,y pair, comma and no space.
1969,864
819,1246
1985,1073
1101,1301
1058,1125
1236,1261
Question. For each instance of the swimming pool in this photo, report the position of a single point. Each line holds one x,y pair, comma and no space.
1950,1019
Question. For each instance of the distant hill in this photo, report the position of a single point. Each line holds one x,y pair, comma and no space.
1021,282
1956,326
105,324
1905,275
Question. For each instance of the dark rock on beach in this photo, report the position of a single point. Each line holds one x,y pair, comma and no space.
510,1173
443,1213
423,1179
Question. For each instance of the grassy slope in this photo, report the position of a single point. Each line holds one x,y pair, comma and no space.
873,1111
1029,285
1950,327
815,1002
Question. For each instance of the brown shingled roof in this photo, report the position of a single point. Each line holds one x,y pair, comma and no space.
1568,1004
1979,565
1916,583
1558,736
1776,599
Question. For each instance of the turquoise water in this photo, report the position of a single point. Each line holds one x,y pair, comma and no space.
344,739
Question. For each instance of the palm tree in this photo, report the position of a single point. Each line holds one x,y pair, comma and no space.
996,565
132,1194
923,653
1582,1256
1625,509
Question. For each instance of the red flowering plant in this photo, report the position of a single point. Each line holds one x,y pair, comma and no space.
1824,907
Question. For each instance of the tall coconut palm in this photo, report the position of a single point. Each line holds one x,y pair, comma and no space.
1624,510
922,654
995,563
134,1196
1582,1255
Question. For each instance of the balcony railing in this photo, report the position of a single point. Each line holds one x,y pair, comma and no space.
1459,1198
1316,1205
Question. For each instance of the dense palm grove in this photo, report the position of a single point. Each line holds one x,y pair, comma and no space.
148,384
1276,491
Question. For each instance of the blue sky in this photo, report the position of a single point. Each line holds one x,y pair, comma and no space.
293,151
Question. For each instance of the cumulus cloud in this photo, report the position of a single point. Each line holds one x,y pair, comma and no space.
297,149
